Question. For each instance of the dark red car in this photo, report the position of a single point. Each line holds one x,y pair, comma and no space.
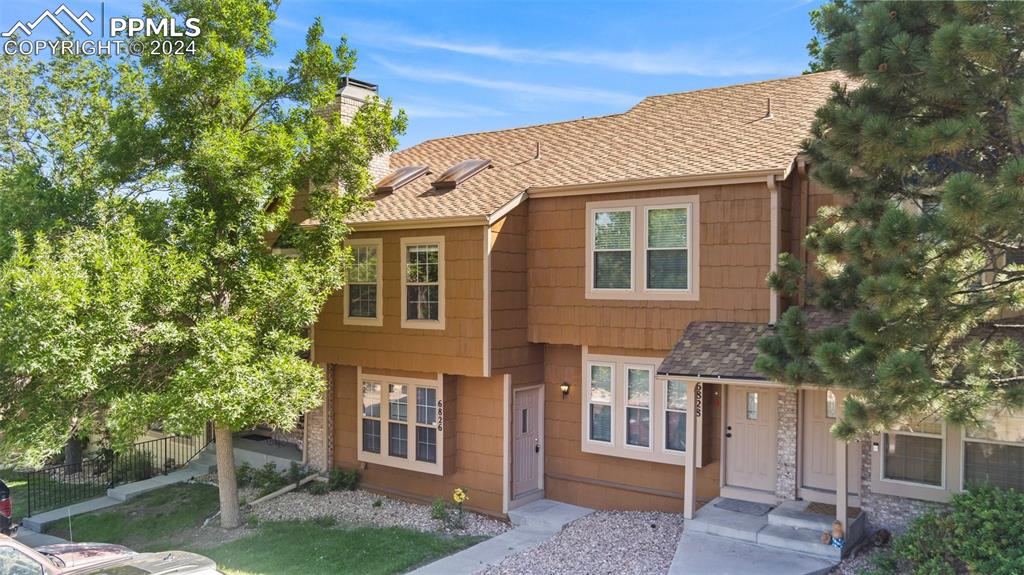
6,508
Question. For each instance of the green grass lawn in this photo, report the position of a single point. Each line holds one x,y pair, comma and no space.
171,518
48,494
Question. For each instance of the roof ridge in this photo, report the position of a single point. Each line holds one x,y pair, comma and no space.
622,113
741,85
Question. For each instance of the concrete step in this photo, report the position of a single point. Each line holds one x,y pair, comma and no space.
793,514
203,464
807,541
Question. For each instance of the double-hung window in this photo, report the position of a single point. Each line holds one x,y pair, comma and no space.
638,406
643,249
401,422
915,454
423,283
363,298
629,412
675,415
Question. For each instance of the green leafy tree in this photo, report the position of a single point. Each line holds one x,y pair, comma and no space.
821,22
226,137
924,149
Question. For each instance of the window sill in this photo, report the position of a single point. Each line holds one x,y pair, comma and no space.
633,452
364,321
910,490
406,464
433,324
642,295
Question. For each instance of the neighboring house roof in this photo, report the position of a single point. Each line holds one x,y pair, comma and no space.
728,349
705,132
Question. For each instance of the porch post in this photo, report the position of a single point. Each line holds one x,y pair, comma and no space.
690,459
842,473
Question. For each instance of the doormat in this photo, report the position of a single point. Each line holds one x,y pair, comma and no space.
748,507
826,509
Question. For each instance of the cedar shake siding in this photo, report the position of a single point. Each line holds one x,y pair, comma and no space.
457,349
472,441
511,352
734,244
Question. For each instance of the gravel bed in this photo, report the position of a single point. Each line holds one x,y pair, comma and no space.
862,559
620,542
357,507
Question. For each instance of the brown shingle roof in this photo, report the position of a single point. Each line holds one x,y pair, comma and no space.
728,349
712,131
716,349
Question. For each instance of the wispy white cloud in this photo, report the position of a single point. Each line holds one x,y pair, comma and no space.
717,59
432,109
564,93
673,61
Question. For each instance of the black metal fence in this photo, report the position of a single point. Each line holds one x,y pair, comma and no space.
61,485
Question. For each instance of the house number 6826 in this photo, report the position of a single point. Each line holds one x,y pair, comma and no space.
440,415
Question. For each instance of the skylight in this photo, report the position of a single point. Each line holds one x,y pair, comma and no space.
459,173
399,178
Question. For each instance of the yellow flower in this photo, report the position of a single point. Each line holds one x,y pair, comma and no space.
459,495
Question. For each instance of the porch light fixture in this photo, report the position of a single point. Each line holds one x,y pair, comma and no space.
565,389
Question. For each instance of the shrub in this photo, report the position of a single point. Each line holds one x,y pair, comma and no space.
378,502
340,480
295,473
318,488
268,479
244,474
439,509
978,534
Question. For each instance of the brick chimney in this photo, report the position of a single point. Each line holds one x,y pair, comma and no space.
351,96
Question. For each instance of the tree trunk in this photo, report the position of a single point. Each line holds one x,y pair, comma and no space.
73,455
230,516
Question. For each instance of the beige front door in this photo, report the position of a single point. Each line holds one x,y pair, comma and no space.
819,448
526,448
750,437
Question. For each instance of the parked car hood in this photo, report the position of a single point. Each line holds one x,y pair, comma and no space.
75,555
162,563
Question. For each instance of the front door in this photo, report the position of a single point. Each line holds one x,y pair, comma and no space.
819,449
750,437
526,448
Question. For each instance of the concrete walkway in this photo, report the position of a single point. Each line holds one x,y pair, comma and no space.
702,554
34,539
532,524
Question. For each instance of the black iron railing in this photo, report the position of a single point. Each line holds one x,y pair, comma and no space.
61,485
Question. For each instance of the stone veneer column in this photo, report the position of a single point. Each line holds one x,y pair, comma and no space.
785,479
319,423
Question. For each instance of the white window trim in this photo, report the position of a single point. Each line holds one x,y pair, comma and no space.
638,231
618,447
881,459
377,321
665,410
439,323
652,391
383,458
589,401
592,251
646,248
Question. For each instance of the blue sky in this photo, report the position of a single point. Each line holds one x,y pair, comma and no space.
461,66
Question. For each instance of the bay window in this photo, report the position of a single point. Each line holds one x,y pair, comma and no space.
638,406
422,426
643,248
